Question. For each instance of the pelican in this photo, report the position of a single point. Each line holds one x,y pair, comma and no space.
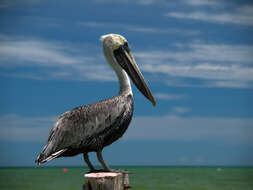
92,127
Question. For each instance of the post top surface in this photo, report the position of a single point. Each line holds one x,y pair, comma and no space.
102,174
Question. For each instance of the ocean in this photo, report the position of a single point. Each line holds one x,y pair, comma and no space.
141,178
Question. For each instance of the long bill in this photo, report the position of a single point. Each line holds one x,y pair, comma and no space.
127,62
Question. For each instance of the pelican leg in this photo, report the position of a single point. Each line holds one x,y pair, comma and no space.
101,160
86,159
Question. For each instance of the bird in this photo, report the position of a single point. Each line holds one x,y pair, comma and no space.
92,127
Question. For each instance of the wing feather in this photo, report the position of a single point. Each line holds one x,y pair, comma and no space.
83,122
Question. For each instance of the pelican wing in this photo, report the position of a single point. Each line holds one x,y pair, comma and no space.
76,126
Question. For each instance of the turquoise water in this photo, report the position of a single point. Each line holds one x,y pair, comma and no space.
141,178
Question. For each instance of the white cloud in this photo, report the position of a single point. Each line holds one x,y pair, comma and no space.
201,2
216,65
203,71
146,2
17,128
219,65
55,60
141,2
241,16
197,51
230,84
238,14
180,110
165,96
37,52
15,3
168,127
228,130
141,29
163,2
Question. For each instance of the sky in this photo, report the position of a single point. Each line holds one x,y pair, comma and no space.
196,56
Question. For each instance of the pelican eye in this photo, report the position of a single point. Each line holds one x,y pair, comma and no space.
126,47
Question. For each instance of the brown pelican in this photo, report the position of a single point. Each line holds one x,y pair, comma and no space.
92,127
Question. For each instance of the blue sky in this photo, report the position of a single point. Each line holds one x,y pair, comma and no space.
196,55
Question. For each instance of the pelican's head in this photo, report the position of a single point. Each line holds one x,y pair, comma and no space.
118,54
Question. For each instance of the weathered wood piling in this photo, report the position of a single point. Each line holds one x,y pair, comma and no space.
107,181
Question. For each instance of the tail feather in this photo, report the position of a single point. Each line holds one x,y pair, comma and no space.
42,158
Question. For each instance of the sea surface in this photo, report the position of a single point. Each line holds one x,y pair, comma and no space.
141,178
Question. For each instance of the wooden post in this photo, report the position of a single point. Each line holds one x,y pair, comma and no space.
107,181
